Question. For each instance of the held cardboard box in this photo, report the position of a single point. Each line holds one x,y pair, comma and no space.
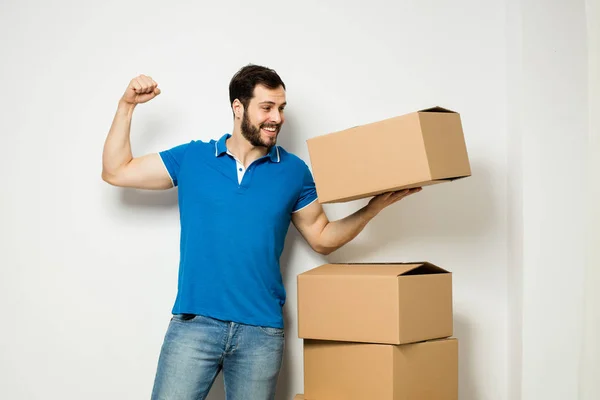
375,303
357,371
417,149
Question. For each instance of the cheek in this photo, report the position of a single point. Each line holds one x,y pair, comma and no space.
261,119
255,120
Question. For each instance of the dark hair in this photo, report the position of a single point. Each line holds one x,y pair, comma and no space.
245,80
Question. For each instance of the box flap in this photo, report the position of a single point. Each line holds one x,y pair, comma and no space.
426,268
438,109
376,269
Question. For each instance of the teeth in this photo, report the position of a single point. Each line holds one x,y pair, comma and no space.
269,129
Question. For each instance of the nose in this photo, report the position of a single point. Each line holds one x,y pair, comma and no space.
276,116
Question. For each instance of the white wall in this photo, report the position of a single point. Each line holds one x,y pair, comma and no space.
88,271
590,362
554,157
549,100
514,196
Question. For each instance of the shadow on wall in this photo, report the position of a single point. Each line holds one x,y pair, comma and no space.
134,198
440,215
467,374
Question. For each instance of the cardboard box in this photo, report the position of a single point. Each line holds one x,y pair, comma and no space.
417,149
356,371
375,303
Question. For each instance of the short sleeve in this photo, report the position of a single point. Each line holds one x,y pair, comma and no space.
173,159
308,193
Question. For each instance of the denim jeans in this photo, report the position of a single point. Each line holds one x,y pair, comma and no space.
197,348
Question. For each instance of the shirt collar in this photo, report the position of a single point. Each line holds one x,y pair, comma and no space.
221,148
221,145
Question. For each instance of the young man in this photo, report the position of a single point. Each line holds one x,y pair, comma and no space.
237,196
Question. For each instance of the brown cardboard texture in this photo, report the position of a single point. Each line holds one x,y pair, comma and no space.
417,149
392,303
357,371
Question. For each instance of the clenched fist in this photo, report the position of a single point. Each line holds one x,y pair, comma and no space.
140,90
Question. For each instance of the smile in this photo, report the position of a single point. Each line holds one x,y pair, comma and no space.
270,131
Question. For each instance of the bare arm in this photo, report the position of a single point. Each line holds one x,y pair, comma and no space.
119,167
326,236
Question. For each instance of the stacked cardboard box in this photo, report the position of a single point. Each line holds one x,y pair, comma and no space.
378,331
382,331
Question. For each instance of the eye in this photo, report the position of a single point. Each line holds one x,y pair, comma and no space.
266,108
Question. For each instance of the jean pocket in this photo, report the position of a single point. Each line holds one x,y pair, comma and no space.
183,317
277,332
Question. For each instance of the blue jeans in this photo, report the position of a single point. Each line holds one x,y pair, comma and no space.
196,348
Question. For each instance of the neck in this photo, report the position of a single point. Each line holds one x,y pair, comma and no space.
242,149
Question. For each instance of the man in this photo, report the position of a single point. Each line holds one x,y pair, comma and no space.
237,196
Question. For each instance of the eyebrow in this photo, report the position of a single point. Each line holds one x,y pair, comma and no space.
272,103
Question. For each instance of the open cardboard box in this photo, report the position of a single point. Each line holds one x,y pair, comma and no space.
393,303
412,150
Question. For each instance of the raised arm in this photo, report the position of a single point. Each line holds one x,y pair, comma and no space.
119,167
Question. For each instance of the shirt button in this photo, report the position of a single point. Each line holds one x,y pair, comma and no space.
240,169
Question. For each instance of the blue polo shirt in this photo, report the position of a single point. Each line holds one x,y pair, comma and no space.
232,232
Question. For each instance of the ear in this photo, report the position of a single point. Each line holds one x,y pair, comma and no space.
238,108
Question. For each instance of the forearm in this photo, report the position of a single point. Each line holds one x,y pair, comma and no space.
337,233
117,147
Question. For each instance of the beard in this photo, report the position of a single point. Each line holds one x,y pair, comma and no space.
252,133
